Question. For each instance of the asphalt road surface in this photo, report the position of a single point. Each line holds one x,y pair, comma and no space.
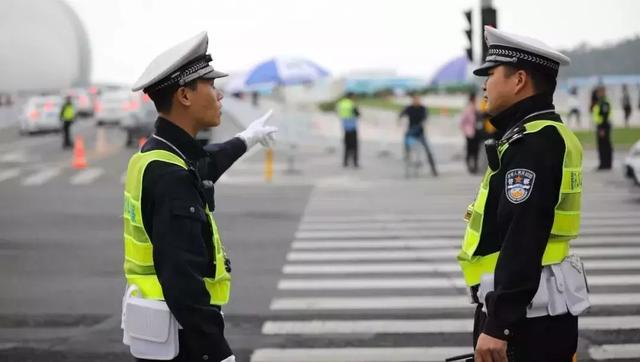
330,264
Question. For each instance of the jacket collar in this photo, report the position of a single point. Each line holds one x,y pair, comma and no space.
180,139
527,108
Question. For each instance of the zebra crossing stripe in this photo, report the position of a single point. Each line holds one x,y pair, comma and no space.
615,351
41,177
430,224
9,174
435,243
348,354
310,218
417,302
416,326
404,268
632,228
86,176
423,283
435,254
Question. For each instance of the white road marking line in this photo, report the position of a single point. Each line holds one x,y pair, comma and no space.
423,283
87,176
9,174
436,243
379,354
417,302
405,268
414,326
615,351
309,218
41,177
435,254
633,228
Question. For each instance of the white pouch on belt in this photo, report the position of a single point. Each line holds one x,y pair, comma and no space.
563,289
150,330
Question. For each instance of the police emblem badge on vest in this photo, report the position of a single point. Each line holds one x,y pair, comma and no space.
519,184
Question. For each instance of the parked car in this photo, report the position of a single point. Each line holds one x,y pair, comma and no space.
113,106
140,120
41,113
632,164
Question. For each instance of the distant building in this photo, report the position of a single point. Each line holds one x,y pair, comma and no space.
43,46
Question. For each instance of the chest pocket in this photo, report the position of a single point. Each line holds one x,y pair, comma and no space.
191,219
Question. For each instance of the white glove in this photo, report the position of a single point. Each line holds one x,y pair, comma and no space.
258,132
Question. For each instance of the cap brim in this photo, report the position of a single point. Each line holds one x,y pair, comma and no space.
483,70
214,74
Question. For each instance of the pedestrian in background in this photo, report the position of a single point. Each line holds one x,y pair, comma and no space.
348,113
468,125
67,117
418,115
626,104
601,112
574,106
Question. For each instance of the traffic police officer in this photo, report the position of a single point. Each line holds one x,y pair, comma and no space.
601,111
526,211
173,250
67,116
348,113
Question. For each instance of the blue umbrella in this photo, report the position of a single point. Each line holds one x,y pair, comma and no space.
285,71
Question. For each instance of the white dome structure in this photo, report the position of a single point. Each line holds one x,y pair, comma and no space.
43,46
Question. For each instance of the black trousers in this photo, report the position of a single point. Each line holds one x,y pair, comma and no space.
605,149
350,148
66,129
473,144
541,339
419,135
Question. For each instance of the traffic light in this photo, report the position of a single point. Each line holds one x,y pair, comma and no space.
489,17
469,32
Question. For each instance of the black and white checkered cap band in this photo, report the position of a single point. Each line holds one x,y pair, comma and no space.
502,54
187,73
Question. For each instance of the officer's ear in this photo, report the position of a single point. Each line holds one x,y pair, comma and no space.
522,80
184,96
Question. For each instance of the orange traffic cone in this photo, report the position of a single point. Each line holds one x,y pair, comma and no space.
141,141
79,159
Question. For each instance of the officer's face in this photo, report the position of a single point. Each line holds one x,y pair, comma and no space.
207,104
500,89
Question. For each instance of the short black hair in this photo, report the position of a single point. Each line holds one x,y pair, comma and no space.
163,97
543,82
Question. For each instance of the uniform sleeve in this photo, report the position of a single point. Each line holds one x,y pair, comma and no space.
220,157
525,220
180,254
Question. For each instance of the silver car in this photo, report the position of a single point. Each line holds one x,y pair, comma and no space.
41,113
632,164
114,105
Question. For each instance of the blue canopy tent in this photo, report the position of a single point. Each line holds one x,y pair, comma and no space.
453,72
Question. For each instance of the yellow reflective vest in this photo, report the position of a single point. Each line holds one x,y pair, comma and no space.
68,112
138,249
566,223
345,108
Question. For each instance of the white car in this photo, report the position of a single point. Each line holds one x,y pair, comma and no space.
140,120
114,105
632,164
41,113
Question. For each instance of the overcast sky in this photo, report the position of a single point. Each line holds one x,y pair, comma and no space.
411,37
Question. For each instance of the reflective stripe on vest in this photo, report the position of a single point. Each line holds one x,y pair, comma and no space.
345,108
566,222
68,113
138,250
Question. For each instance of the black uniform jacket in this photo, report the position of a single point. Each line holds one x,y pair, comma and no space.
182,248
518,228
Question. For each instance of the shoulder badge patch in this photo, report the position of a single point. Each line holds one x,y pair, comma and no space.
519,184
